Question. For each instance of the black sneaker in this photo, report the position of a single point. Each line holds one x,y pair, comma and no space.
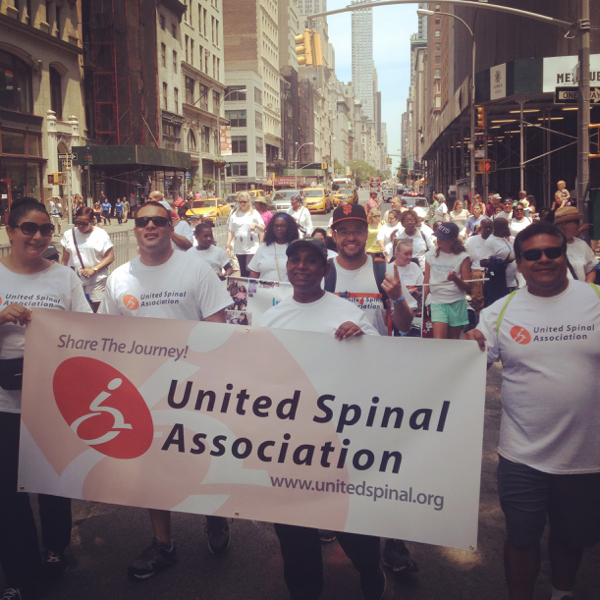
219,537
16,594
326,536
152,559
373,587
397,557
54,563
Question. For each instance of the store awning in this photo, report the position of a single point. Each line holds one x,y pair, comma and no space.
145,156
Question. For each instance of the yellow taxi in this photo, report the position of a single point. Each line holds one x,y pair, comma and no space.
256,193
343,196
317,200
209,209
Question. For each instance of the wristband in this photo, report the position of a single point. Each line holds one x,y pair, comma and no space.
399,299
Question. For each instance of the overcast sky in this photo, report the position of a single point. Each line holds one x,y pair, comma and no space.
392,28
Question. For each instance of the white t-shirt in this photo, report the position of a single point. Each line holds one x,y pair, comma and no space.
410,274
422,244
582,259
244,240
551,381
184,229
385,233
182,288
474,246
57,288
460,219
303,218
361,284
440,211
515,226
504,215
55,208
501,248
266,260
322,316
93,247
439,267
216,257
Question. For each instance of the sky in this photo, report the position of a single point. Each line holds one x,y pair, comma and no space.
392,28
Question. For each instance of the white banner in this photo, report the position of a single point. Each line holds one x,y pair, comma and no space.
498,82
563,70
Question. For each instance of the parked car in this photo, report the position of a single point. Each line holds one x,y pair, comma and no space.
317,200
209,209
282,199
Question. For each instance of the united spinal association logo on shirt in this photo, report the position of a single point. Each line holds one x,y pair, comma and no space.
520,335
103,408
131,302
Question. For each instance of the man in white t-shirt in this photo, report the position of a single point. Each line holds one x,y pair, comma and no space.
499,246
548,335
163,283
301,215
312,309
182,235
55,214
507,210
474,246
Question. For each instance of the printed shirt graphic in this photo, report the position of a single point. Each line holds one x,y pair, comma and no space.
182,288
360,284
244,240
550,349
57,287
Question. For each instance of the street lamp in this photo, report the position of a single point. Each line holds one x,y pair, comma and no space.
296,160
425,12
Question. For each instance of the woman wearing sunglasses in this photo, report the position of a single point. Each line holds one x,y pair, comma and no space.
88,251
34,282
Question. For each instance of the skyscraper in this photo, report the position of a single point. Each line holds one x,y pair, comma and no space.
309,7
362,57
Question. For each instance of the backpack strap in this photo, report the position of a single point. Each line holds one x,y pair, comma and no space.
501,315
596,289
331,277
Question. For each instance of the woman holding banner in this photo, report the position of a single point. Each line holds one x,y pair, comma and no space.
270,259
25,274
245,226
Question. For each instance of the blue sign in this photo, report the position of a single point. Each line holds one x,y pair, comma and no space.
188,175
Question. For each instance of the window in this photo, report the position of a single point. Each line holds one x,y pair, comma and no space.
57,21
191,140
437,33
239,144
258,121
216,32
56,102
259,146
192,52
218,69
216,102
438,47
237,117
174,30
438,7
212,29
438,73
438,59
174,61
176,98
203,100
15,83
237,170
257,96
171,130
216,142
205,139
163,55
165,96
206,59
260,169
204,23
438,21
161,19
235,93
189,90
201,55
187,43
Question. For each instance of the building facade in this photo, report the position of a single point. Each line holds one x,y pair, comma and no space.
362,57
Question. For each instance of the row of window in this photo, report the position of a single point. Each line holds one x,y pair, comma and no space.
204,55
236,93
238,118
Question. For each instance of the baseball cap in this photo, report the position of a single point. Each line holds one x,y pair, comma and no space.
297,198
347,212
314,244
446,231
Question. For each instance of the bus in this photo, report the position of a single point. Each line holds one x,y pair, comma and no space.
375,184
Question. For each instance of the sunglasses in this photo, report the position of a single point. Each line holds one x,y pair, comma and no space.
82,223
535,254
30,228
158,221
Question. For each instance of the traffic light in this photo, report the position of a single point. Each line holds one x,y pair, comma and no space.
315,45
304,49
323,166
485,166
480,118
57,179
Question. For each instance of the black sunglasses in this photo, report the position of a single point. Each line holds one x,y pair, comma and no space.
82,223
158,221
552,252
31,228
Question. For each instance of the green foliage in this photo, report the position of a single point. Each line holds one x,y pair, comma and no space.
362,170
209,184
338,168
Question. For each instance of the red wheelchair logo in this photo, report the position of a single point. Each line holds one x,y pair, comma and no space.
520,335
103,407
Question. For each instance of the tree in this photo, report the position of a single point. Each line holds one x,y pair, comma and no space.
362,170
338,168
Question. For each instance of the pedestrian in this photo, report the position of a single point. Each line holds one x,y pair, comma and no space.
206,249
201,297
507,210
270,260
519,221
182,234
27,275
119,211
459,215
495,200
547,339
375,224
89,251
106,210
133,204
262,206
97,208
312,309
450,262
441,211
473,222
56,214
384,235
244,229
418,234
126,209
372,202
474,246
581,258
396,203
561,197
301,214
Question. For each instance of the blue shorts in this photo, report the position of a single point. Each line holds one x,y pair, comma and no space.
571,503
454,314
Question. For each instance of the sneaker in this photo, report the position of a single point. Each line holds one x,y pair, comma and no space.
326,536
152,559
397,557
15,594
373,587
219,537
54,563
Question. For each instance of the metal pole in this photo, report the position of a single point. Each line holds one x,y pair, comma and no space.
522,147
69,203
472,114
219,148
583,147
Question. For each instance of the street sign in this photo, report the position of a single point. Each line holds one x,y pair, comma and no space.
64,156
570,95
188,175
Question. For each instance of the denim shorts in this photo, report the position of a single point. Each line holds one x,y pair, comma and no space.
571,503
